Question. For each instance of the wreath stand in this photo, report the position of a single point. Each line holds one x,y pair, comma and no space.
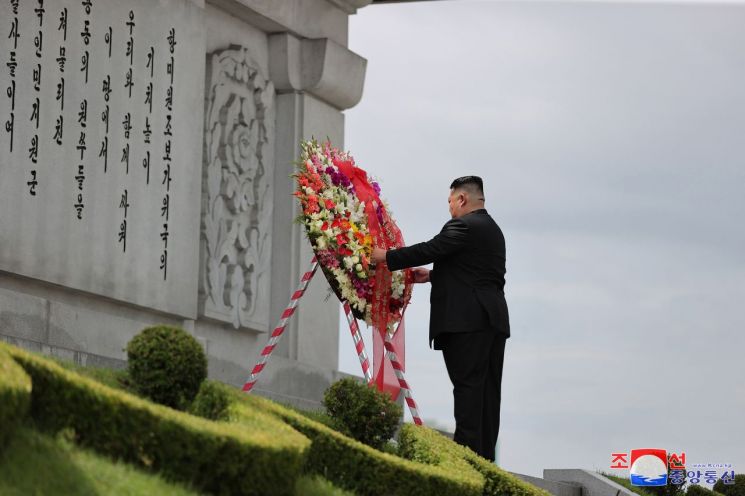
359,344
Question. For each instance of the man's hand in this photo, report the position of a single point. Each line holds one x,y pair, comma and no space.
420,274
378,255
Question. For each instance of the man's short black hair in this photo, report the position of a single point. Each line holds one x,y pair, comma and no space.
472,184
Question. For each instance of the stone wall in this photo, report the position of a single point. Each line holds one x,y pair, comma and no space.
145,156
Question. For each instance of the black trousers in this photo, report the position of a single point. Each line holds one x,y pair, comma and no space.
474,361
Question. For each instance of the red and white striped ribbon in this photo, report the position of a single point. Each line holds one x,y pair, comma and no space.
277,333
359,344
356,335
398,370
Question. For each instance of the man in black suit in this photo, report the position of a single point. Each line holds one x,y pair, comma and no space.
468,321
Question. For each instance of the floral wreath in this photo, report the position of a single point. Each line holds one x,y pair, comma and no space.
344,219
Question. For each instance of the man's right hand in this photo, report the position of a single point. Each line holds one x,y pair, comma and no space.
420,274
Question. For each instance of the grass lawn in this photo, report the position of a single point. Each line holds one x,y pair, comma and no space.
38,464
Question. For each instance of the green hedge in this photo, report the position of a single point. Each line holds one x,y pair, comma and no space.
429,446
357,467
264,458
432,463
15,396
258,451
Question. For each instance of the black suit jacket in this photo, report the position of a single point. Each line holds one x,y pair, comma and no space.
467,277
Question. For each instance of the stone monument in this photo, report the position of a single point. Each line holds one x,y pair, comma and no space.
145,155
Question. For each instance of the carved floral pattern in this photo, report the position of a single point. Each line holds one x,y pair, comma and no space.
237,192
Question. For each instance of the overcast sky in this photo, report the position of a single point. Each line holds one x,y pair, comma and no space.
611,140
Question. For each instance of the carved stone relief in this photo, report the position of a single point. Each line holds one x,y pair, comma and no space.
237,191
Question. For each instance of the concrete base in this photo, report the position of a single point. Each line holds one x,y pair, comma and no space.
75,356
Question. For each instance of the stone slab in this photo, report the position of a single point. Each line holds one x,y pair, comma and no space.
554,487
100,172
593,484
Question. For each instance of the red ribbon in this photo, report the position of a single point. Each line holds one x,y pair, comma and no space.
386,236
365,193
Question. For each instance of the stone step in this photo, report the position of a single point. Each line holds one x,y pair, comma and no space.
557,488
576,482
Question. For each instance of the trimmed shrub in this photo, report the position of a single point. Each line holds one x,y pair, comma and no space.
357,467
736,489
429,446
262,458
212,401
166,365
15,396
370,415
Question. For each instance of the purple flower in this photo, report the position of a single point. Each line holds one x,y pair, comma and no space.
328,259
